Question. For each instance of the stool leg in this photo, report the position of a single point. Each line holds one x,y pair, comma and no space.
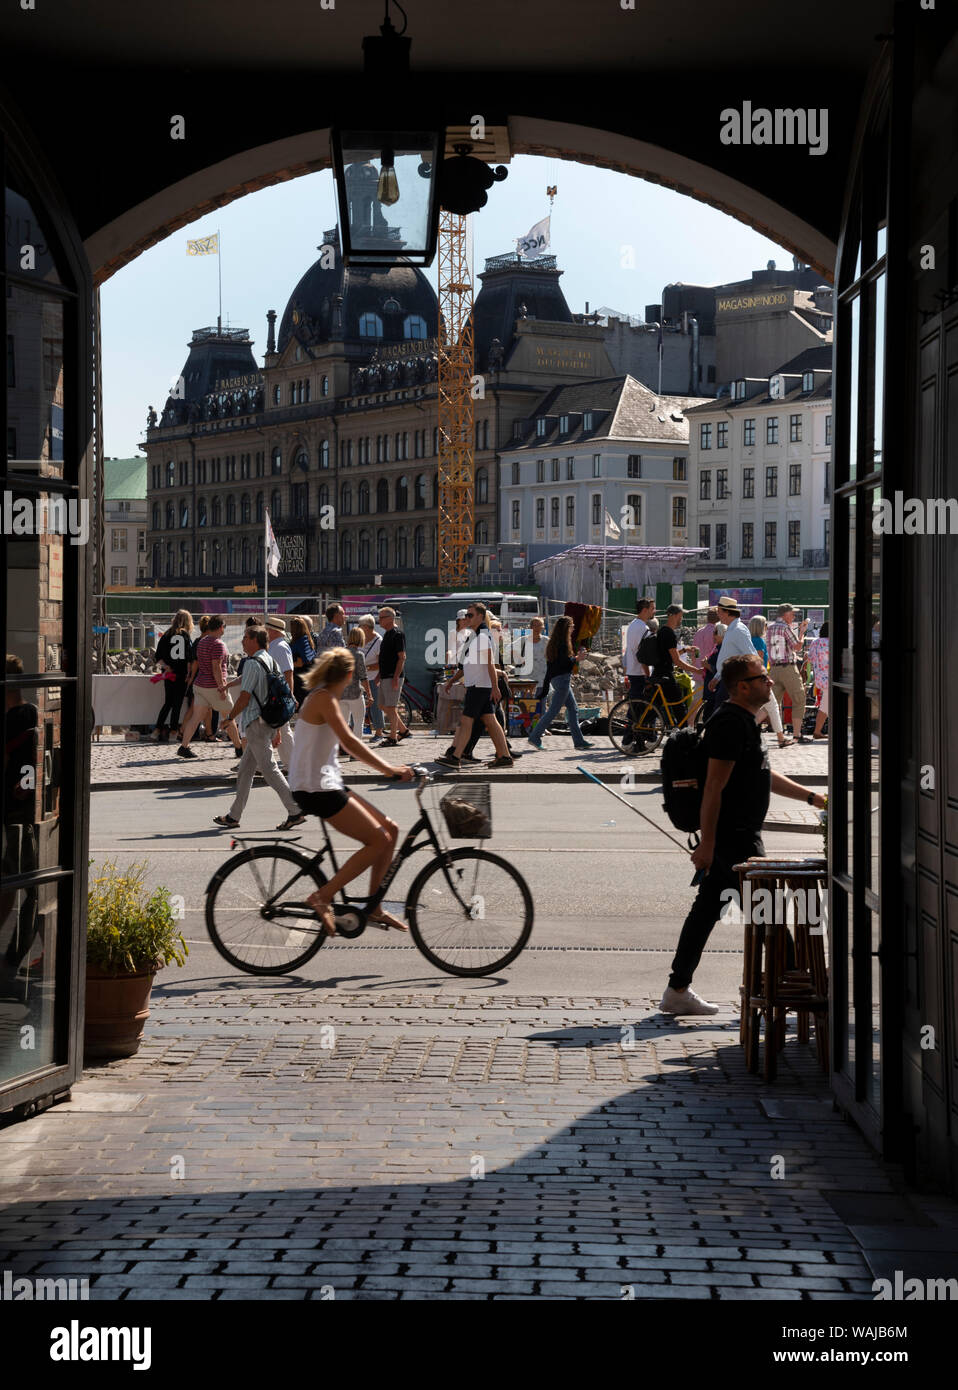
771,1023
754,1010
746,984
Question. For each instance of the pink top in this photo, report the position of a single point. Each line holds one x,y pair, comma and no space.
818,656
209,651
704,639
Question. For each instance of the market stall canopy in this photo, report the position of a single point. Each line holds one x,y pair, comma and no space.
575,576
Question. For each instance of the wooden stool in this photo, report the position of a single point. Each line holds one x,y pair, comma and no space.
769,987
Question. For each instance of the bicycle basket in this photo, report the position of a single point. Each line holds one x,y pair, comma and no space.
467,811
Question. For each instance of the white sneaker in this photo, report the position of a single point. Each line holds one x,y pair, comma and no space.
685,1001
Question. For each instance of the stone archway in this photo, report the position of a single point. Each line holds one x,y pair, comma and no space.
121,241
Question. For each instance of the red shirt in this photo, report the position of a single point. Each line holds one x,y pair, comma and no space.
209,651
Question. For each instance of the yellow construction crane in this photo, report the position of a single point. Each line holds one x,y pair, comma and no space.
456,432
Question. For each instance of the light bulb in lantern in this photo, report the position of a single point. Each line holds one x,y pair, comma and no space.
387,190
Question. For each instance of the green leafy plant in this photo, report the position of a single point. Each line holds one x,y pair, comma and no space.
128,929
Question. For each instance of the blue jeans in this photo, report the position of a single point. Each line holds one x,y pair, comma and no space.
560,695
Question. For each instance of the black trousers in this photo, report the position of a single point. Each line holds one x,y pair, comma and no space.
637,686
175,693
707,907
478,728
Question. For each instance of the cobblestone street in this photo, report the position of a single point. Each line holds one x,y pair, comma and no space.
281,1142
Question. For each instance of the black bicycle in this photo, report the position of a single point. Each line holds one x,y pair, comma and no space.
469,912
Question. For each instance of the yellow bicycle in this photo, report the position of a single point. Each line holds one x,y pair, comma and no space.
640,726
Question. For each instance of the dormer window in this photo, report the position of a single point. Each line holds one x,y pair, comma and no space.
517,429
587,420
808,381
370,326
563,424
414,326
541,428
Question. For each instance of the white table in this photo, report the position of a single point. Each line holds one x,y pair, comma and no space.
123,701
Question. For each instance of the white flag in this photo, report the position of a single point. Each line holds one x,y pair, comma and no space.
611,529
272,549
535,242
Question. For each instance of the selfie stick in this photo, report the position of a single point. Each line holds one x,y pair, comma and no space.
684,848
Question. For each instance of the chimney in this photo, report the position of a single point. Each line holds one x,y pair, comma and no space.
271,331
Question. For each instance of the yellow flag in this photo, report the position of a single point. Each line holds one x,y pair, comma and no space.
205,246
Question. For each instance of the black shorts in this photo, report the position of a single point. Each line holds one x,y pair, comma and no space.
322,804
478,701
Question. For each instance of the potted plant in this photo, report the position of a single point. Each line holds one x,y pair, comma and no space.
131,934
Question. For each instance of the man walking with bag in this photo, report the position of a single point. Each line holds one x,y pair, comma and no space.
737,789
260,737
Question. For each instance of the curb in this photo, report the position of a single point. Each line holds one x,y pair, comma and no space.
644,778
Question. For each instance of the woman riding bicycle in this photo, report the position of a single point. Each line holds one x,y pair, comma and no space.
317,785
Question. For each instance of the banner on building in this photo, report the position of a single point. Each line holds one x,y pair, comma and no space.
272,549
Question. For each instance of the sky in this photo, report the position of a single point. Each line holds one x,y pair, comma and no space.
618,240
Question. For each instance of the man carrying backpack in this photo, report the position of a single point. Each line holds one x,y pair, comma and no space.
637,666
737,784
261,737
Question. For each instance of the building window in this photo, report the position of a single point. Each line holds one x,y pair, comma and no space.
402,493
596,509
217,512
794,480
597,465
201,517
401,560
435,440
748,540
826,537
587,420
808,382
794,540
570,469
634,466
515,515
705,484
231,511
363,503
570,511
370,326
419,498
346,499
540,428
721,435
382,550
554,513
828,429
324,454
827,480
721,541
771,539
260,507
382,496
277,461
346,550
721,483
705,436
292,393
540,470
277,395
118,574
246,514
482,486
540,513
771,481
156,516
364,550
563,424
324,386
795,429
678,511
771,430
184,474
275,506
555,470
705,537
634,504
414,326
515,473
748,482
748,432
679,470
118,538
306,390
184,514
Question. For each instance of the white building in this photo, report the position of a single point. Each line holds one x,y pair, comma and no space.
607,446
759,474
124,497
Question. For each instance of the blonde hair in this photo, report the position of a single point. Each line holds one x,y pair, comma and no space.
334,665
356,638
182,621
757,625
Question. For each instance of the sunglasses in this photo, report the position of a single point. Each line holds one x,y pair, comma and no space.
763,677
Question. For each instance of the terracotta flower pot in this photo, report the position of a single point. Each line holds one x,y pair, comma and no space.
117,1007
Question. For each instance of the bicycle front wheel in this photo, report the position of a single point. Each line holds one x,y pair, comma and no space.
470,912
256,910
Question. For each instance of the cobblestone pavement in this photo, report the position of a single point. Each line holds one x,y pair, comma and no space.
117,764
453,1145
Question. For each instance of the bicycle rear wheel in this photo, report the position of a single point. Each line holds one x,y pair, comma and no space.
470,912
633,736
256,910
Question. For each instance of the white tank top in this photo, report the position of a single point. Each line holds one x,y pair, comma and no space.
314,764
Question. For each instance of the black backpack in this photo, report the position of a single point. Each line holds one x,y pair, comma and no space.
279,706
648,652
684,765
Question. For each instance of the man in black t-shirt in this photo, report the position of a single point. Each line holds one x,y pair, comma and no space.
663,673
738,787
392,661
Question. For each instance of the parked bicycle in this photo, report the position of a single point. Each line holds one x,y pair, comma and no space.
641,727
470,912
